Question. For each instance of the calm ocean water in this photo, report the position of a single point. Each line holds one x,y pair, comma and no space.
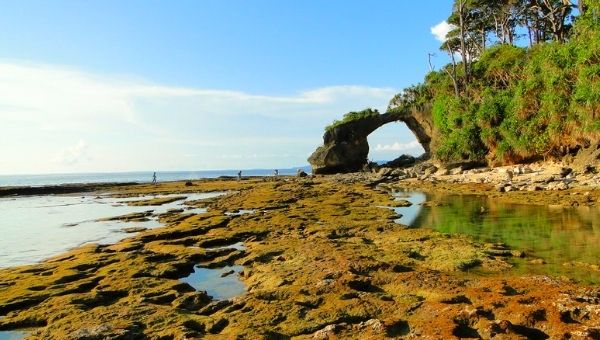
142,176
36,227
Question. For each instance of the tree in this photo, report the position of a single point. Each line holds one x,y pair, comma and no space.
451,46
461,13
472,26
552,18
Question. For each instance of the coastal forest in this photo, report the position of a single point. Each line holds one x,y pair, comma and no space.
523,82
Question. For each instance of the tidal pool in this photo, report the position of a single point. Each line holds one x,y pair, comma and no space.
567,239
240,212
236,246
220,283
37,227
12,335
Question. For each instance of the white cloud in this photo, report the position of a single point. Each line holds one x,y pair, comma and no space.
442,29
397,146
137,125
73,154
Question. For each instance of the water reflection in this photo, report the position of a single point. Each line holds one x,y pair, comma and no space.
12,335
222,283
566,239
410,214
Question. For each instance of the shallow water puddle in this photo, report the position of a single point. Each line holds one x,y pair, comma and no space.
195,211
236,246
37,227
566,239
409,214
179,204
240,212
221,283
12,335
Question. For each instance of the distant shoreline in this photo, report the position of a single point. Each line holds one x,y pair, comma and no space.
57,189
72,188
40,180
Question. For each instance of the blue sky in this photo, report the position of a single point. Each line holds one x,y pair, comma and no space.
192,85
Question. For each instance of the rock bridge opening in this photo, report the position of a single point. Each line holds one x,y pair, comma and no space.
391,141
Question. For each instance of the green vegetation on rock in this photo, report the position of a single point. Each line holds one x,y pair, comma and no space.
352,117
505,103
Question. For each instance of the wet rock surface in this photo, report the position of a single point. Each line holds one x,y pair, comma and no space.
321,260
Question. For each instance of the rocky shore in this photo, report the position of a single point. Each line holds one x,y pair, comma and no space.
321,260
547,176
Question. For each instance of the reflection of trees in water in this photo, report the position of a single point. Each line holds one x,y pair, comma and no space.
557,234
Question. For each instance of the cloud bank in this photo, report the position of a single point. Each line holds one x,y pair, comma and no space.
59,119
73,154
441,30
397,146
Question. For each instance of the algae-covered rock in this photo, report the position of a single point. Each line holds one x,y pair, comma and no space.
321,258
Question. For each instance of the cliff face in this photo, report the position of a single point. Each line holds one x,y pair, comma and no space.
345,147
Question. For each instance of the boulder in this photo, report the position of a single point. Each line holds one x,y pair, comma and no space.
340,157
430,171
424,168
564,172
301,173
456,171
442,172
384,172
518,170
501,187
401,162
192,301
398,173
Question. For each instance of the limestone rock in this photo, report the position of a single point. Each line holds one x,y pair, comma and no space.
345,147
325,333
442,172
193,301
456,171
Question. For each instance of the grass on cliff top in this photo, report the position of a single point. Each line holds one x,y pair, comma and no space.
353,116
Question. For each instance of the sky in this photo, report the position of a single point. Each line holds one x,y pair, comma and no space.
101,86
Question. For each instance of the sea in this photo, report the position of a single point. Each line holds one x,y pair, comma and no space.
37,227
138,176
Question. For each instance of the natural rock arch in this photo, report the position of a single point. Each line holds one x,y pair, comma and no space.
345,147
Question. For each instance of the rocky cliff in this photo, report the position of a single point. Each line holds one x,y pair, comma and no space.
345,147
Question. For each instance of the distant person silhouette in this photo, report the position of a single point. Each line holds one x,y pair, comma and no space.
154,178
276,172
240,175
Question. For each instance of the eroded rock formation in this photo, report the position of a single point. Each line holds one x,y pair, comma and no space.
345,147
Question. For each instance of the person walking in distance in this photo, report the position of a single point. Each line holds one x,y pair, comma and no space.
240,175
154,178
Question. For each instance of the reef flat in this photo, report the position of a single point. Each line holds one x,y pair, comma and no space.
320,259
